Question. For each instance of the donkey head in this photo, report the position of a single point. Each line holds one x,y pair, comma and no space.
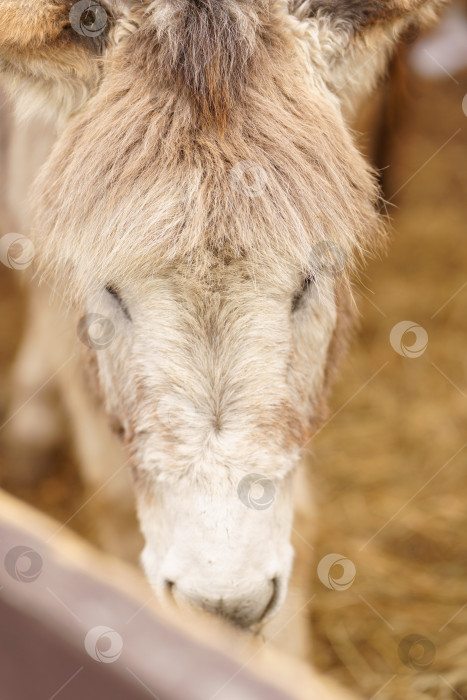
202,209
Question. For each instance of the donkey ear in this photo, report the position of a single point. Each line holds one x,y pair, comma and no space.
50,50
352,40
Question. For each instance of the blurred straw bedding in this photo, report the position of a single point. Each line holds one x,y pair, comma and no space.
390,466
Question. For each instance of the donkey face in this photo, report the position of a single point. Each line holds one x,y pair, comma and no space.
205,205
215,385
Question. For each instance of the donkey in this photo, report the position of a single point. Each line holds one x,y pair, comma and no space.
202,211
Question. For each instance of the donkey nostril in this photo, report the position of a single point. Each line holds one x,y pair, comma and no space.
169,585
272,600
245,610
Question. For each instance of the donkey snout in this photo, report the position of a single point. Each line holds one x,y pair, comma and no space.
244,608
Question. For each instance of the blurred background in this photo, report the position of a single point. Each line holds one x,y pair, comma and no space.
390,465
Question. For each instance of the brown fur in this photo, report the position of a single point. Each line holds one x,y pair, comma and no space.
363,14
203,49
44,60
316,180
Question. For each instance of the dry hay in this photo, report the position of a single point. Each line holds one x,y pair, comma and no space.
379,463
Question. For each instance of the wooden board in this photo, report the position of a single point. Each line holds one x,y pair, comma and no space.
76,623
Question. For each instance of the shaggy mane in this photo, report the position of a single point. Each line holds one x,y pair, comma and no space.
204,48
145,177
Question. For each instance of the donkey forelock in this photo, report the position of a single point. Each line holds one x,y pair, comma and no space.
155,169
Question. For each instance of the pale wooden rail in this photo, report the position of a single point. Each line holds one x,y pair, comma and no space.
50,648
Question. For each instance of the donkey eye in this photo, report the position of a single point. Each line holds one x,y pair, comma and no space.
307,283
114,293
